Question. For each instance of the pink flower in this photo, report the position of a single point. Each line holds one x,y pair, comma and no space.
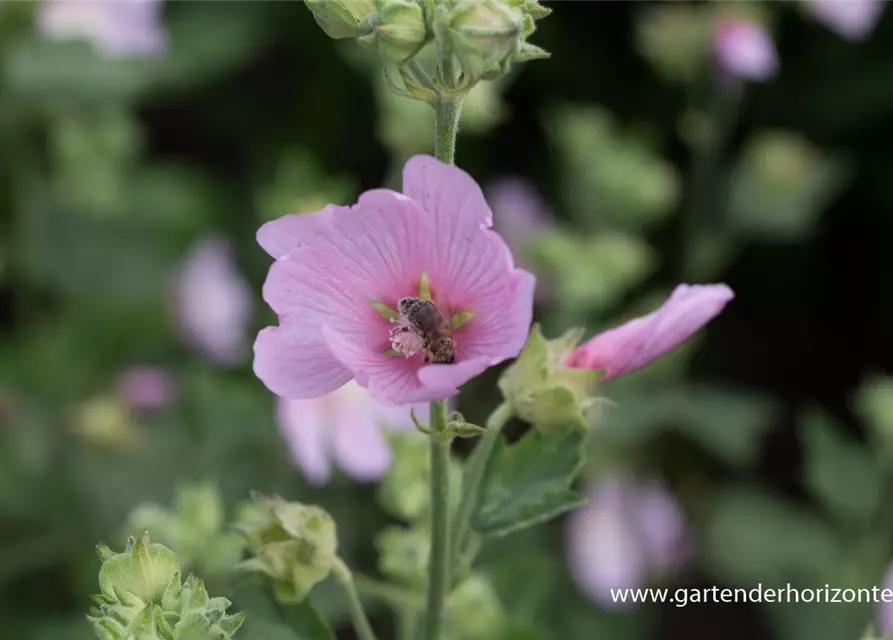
519,214
344,425
634,344
214,302
115,27
146,388
743,49
628,531
332,265
852,19
885,609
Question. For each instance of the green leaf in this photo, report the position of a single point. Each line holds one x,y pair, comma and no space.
529,482
841,474
307,622
266,621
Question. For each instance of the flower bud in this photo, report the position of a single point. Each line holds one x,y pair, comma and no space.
484,34
292,543
399,30
474,611
403,554
342,18
142,597
541,390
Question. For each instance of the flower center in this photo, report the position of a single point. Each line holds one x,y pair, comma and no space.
405,340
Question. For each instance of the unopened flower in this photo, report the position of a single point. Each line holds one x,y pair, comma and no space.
745,50
146,388
629,531
115,27
852,19
632,345
519,214
344,426
341,274
214,302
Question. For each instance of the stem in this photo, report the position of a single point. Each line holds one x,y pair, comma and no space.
397,597
447,128
408,623
360,621
439,567
472,478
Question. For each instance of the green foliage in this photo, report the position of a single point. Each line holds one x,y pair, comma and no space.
528,483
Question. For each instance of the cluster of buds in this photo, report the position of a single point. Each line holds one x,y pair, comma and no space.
143,597
293,544
483,36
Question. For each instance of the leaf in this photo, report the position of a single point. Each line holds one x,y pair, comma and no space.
266,621
529,482
843,475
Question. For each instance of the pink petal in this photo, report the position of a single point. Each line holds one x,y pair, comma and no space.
294,365
360,448
852,19
885,609
390,380
661,525
602,546
744,49
445,379
448,193
146,388
303,426
634,344
282,236
398,418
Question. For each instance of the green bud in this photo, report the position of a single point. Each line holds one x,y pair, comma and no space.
399,30
474,611
403,554
292,543
142,597
484,35
541,390
342,18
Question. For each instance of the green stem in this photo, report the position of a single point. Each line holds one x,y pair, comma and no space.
360,621
439,564
408,621
397,597
472,478
447,128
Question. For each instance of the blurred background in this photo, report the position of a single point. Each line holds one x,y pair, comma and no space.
664,142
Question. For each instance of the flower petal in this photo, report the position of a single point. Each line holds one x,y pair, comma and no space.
632,345
444,380
852,19
389,379
294,365
303,426
744,49
447,193
358,444
282,236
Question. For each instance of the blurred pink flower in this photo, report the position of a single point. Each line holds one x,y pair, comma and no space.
629,531
852,19
634,344
745,50
345,426
214,302
115,27
885,609
519,213
146,388
331,265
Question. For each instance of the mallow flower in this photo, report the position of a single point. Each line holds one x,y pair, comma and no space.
632,345
744,49
213,301
340,275
630,531
117,28
346,427
146,388
852,19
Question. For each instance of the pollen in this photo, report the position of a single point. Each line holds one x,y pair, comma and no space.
405,340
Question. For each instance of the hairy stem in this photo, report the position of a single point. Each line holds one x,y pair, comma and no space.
447,128
439,564
472,478
357,614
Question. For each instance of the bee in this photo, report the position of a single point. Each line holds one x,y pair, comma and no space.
425,319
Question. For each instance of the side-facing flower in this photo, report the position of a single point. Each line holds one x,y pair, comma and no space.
852,19
743,49
120,28
341,273
344,426
629,531
632,345
214,302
